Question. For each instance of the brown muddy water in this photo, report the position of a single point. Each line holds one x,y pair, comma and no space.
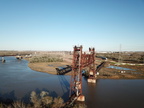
17,81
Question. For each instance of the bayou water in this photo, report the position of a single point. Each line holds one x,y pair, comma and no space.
17,81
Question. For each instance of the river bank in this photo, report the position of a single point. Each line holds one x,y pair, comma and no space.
133,72
105,72
112,73
48,67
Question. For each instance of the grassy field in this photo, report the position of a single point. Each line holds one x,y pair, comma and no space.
48,63
48,67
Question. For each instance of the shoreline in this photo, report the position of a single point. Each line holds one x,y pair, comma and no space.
48,67
104,73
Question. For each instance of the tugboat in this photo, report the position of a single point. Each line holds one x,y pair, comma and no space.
3,60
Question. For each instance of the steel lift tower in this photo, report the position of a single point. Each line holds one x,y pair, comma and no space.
80,61
76,77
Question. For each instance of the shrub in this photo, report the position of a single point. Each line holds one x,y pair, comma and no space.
43,100
79,105
18,104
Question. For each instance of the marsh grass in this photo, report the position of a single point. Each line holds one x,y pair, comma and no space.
46,58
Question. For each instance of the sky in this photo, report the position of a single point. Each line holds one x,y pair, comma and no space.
59,25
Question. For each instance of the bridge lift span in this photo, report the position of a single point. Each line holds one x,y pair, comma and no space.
80,61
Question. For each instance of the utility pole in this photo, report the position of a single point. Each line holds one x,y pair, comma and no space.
143,57
120,55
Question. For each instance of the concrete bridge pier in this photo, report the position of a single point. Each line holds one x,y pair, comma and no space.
91,80
81,98
92,77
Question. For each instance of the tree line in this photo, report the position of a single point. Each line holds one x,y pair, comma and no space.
130,57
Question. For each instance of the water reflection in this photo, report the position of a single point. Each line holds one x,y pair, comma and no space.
116,94
64,86
16,76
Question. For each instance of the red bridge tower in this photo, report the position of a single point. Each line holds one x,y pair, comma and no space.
80,61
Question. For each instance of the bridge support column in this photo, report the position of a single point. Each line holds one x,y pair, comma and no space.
81,98
91,80
76,77
92,72
92,77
